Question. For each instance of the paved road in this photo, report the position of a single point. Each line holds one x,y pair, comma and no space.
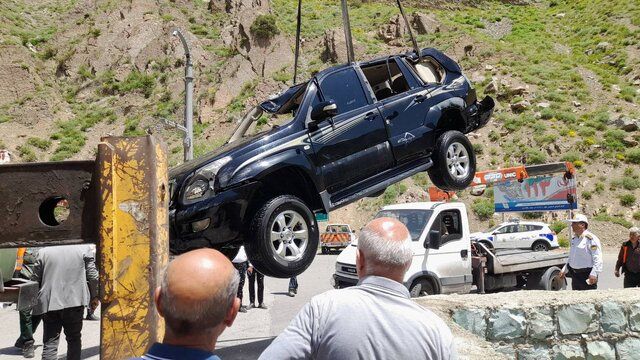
252,331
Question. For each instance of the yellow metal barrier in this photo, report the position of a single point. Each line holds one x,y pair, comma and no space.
133,242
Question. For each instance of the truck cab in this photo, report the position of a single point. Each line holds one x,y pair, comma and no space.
441,249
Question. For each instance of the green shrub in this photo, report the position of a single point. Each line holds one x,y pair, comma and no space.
131,127
614,219
627,93
627,199
613,140
599,187
572,156
391,194
478,148
633,155
138,81
494,136
535,157
264,27
26,153
483,208
586,195
558,226
630,183
41,144
563,242
636,215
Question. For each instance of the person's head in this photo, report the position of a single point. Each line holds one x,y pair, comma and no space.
384,249
197,298
634,234
579,224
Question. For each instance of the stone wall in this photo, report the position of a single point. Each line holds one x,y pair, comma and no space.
550,325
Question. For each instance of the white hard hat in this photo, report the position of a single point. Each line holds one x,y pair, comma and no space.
579,218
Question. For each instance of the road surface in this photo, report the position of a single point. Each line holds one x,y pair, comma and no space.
252,331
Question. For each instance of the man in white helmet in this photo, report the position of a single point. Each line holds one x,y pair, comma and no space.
585,256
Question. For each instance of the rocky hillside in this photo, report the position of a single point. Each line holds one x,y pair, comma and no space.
566,76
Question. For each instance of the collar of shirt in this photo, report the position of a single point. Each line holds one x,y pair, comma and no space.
385,283
163,352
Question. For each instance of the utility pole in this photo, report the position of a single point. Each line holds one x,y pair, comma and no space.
188,99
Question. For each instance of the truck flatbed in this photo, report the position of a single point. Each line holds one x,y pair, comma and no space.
523,260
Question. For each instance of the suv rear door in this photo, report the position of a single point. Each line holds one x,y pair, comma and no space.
353,145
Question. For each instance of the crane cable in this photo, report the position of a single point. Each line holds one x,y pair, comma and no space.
297,54
413,39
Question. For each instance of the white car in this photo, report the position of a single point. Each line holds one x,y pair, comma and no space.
519,235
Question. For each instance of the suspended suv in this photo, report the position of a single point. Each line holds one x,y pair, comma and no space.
347,133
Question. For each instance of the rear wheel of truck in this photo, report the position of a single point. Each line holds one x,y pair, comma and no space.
454,162
548,280
283,237
422,287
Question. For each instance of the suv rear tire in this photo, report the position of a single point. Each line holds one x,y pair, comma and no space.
422,287
540,245
283,237
454,162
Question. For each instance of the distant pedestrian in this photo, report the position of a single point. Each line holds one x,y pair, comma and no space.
375,319
197,300
28,322
293,286
63,273
585,256
629,259
241,263
256,276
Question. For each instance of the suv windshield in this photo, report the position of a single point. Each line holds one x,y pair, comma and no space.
276,111
414,220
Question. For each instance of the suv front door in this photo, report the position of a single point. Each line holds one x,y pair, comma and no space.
352,146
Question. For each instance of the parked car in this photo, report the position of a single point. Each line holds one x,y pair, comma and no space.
519,235
336,237
446,260
350,132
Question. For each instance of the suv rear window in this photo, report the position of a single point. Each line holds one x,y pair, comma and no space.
345,89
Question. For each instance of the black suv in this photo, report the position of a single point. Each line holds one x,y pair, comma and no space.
350,132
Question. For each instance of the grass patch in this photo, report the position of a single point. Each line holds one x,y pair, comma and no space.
627,200
392,193
131,127
247,92
26,153
42,144
483,208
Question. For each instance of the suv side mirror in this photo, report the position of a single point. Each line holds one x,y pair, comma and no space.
324,110
435,240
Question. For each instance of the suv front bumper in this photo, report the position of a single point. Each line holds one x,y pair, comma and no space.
225,212
478,113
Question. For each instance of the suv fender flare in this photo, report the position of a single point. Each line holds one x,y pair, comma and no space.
288,159
425,275
434,115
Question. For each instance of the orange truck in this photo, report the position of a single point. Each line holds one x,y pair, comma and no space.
336,237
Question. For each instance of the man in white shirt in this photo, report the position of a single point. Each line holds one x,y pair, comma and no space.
375,319
241,263
585,256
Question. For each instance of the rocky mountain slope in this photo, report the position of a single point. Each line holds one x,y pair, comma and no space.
566,76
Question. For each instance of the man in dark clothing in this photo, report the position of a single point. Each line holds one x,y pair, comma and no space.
253,276
63,273
28,321
629,260
197,300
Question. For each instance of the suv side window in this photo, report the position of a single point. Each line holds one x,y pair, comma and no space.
535,228
345,89
450,225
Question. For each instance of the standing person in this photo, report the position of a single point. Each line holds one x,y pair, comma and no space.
241,263
585,256
28,321
293,286
375,319
63,273
197,300
253,276
629,259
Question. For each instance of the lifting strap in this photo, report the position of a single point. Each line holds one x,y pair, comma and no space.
20,258
413,39
347,32
624,254
297,54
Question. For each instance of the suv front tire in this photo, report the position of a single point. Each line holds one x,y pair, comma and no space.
283,237
454,162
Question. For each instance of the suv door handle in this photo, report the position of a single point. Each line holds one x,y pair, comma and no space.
370,116
464,253
420,98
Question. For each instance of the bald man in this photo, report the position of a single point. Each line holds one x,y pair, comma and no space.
375,319
198,302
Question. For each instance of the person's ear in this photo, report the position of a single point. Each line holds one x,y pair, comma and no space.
360,260
158,300
232,312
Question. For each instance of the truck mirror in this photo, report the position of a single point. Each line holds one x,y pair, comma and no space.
324,110
434,240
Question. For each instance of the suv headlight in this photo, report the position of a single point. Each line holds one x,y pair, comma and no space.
203,181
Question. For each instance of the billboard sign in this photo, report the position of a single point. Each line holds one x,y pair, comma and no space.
545,193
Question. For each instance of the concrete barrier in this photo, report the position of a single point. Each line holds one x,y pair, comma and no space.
547,325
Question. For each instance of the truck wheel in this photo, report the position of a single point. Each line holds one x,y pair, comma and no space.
454,162
324,250
549,280
283,237
540,246
422,287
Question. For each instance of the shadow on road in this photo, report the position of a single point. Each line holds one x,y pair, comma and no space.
280,293
249,350
11,350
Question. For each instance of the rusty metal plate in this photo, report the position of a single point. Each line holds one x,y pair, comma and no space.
44,204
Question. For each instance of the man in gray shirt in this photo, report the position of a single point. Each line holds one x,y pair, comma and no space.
375,319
